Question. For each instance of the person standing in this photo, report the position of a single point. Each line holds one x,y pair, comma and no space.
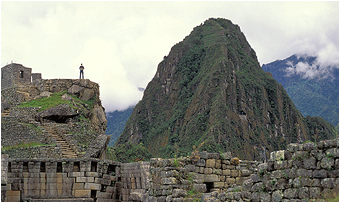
81,68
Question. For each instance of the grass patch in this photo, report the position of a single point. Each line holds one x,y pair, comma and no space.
55,100
330,196
46,102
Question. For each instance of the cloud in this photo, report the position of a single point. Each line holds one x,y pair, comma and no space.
121,43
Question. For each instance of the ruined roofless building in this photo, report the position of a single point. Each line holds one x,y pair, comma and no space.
14,74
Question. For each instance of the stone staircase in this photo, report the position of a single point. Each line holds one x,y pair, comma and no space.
66,150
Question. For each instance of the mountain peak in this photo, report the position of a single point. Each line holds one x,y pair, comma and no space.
210,91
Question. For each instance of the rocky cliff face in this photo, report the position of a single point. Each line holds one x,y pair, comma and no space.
56,114
210,91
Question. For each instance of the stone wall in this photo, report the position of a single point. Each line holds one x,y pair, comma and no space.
82,179
16,130
44,151
6,77
171,179
135,181
10,97
303,172
4,169
13,74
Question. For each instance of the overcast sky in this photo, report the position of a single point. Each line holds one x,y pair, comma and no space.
121,43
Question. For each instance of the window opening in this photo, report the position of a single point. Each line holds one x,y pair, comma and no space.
59,167
93,194
76,166
93,166
21,74
103,188
25,167
111,169
9,167
42,167
209,186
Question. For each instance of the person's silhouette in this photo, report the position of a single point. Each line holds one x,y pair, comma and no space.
81,68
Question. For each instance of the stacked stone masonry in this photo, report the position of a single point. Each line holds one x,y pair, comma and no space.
302,172
53,179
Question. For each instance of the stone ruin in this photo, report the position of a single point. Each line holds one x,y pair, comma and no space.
302,172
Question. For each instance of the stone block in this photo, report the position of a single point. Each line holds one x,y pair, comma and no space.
309,146
51,186
176,193
51,180
210,178
25,174
104,195
309,163
34,175
226,172
168,181
230,180
218,184
245,172
61,175
200,187
13,198
202,169
314,192
240,180
277,196
303,193
218,164
78,186
290,193
217,171
327,183
76,174
91,174
224,166
333,153
277,155
210,163
51,193
207,170
255,197
85,179
110,189
320,173
51,175
200,162
234,173
82,193
222,178
327,163
257,187
92,186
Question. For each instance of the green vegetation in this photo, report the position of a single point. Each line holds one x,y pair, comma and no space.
116,122
127,153
313,97
55,100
